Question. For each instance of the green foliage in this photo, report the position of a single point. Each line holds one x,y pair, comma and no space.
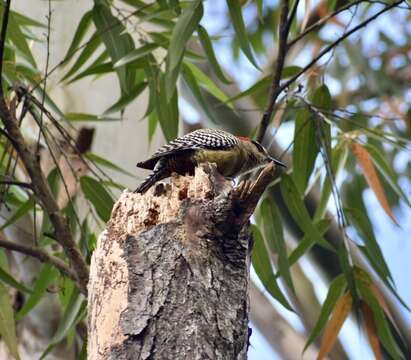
98,196
155,47
262,266
45,278
234,8
7,323
185,26
336,289
273,233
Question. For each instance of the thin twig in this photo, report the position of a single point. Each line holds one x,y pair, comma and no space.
284,29
267,114
56,162
45,72
64,133
40,186
17,183
4,24
45,196
324,19
40,255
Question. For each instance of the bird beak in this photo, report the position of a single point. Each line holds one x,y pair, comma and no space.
277,162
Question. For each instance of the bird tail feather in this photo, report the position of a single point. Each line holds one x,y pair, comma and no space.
150,180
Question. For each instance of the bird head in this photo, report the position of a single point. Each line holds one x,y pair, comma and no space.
259,153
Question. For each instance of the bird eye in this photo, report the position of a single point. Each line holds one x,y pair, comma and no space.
258,146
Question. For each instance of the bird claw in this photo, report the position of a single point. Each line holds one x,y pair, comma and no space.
243,188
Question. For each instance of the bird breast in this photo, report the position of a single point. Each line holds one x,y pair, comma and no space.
229,162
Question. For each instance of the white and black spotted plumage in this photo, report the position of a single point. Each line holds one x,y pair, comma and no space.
232,155
196,140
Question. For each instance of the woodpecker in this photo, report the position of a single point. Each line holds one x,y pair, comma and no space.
233,156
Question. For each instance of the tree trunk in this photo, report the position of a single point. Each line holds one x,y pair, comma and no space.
169,278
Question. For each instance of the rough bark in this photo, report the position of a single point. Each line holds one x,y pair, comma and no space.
169,278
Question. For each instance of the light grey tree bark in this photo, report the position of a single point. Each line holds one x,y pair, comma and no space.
169,278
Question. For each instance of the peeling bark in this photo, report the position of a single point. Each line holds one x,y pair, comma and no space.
169,278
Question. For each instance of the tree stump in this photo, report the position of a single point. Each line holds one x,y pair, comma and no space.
169,277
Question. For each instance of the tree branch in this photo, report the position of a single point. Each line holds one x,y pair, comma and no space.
17,183
323,20
284,29
330,47
6,135
3,40
45,196
40,255
39,183
277,89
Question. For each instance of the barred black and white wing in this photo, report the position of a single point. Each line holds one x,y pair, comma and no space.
196,140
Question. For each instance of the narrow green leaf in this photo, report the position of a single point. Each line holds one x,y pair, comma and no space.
24,20
81,31
262,266
136,54
117,41
41,94
126,99
98,67
21,211
46,276
152,72
335,291
194,56
207,84
182,31
259,4
361,222
234,7
290,71
273,233
23,71
151,15
4,261
68,321
383,328
92,45
7,322
152,125
88,117
305,149
299,212
19,39
98,196
106,163
167,111
339,157
196,92
10,280
377,269
208,49
307,242
263,83
321,98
